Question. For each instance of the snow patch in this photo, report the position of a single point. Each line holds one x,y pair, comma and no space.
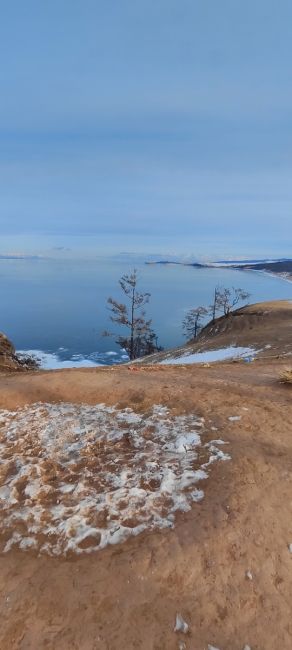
76,478
211,356
180,625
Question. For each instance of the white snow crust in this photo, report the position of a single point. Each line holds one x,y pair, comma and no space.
211,356
76,478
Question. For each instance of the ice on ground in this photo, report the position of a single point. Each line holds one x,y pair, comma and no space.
181,645
180,625
75,478
211,355
234,418
290,548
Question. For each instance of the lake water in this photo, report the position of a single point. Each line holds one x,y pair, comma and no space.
59,307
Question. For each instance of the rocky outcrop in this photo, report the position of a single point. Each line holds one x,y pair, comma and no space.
8,358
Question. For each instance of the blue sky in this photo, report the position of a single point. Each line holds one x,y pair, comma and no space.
156,126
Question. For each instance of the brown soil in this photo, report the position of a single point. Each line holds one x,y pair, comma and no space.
127,596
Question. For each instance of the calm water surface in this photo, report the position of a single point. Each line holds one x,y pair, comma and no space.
59,307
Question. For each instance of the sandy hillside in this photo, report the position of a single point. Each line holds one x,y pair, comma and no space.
265,327
194,527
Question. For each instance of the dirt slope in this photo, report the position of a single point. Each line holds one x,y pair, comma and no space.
265,326
127,596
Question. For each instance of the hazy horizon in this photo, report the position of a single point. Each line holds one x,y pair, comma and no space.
62,254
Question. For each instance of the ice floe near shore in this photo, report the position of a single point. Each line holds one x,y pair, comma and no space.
62,359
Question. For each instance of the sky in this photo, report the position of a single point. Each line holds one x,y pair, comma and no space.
146,126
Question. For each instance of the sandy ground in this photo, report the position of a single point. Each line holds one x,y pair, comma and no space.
127,596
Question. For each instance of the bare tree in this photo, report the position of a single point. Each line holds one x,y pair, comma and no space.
215,305
192,322
139,338
227,299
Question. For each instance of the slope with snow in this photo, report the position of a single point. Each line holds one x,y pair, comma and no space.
210,356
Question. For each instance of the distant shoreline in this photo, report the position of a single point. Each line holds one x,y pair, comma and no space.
20,257
280,268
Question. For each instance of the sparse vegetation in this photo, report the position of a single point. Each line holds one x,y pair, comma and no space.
140,339
225,300
192,322
286,376
29,361
214,307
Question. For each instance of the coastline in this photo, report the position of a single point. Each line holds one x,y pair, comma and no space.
282,275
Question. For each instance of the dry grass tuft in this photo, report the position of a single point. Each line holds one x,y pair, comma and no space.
286,376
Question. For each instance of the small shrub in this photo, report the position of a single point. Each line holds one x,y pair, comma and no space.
29,361
286,376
